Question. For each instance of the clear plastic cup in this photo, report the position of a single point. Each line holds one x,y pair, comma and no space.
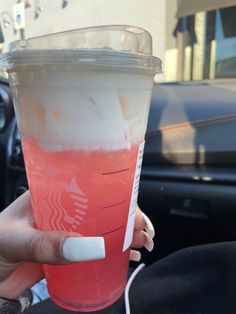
82,100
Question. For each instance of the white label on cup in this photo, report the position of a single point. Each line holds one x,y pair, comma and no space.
134,198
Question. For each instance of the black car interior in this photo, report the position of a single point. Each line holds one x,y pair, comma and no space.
188,182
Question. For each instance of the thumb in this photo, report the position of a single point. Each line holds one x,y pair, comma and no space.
51,247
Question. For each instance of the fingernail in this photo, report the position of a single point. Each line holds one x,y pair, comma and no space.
135,256
149,244
149,228
83,249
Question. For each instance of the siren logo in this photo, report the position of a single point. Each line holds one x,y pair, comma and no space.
80,204
58,201
62,207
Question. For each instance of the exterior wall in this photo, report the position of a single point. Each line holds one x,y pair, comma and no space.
149,14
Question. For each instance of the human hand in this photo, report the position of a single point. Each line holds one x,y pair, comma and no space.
23,248
143,235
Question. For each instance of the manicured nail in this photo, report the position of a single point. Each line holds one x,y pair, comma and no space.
149,228
149,244
135,256
83,249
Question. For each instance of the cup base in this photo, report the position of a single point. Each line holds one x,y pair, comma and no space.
91,308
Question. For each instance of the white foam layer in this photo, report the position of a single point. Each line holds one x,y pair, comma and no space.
86,111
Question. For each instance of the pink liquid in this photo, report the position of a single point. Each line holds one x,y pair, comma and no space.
87,192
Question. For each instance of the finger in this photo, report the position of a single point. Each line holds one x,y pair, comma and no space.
140,222
149,244
142,239
135,256
149,226
50,247
143,222
24,277
19,241
139,239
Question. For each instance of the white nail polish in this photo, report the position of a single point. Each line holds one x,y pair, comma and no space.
149,228
83,249
149,244
135,256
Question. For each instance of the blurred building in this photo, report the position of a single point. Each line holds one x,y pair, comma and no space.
206,39
195,39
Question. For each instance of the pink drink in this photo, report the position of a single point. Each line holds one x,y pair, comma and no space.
82,100
87,192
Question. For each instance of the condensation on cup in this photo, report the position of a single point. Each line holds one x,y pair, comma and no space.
82,99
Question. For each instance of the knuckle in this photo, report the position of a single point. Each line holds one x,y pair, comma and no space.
35,247
45,248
